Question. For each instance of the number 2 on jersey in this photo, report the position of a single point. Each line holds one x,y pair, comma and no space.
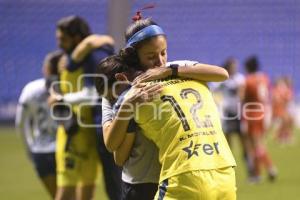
193,110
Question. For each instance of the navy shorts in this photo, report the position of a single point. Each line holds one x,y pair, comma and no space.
231,123
44,163
145,191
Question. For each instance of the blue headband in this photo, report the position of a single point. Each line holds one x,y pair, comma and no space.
147,32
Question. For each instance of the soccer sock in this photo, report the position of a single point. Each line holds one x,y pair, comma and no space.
267,161
257,162
264,158
249,164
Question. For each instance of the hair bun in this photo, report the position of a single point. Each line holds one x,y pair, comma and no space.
130,57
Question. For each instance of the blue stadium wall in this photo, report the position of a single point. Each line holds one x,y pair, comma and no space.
211,30
27,34
205,30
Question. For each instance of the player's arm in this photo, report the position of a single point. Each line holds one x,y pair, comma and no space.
88,44
73,61
115,135
196,71
203,72
23,126
86,95
241,89
20,117
121,155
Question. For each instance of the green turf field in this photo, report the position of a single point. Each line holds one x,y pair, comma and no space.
18,180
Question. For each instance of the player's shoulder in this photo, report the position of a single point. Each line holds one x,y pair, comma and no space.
239,78
259,77
35,85
182,62
264,76
250,77
31,89
239,75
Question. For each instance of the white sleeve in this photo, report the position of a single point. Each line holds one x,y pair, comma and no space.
20,116
23,114
23,125
107,111
215,86
240,79
26,95
182,63
86,95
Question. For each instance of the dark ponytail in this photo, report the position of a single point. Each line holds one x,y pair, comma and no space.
130,57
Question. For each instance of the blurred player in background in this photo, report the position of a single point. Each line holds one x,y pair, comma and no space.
37,126
77,158
255,99
282,96
231,103
230,91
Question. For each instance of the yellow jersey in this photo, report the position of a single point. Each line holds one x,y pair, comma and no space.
73,82
185,125
80,163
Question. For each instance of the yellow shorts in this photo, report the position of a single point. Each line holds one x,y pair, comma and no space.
79,165
218,184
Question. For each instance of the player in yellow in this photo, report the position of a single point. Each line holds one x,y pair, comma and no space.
76,153
183,122
185,125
